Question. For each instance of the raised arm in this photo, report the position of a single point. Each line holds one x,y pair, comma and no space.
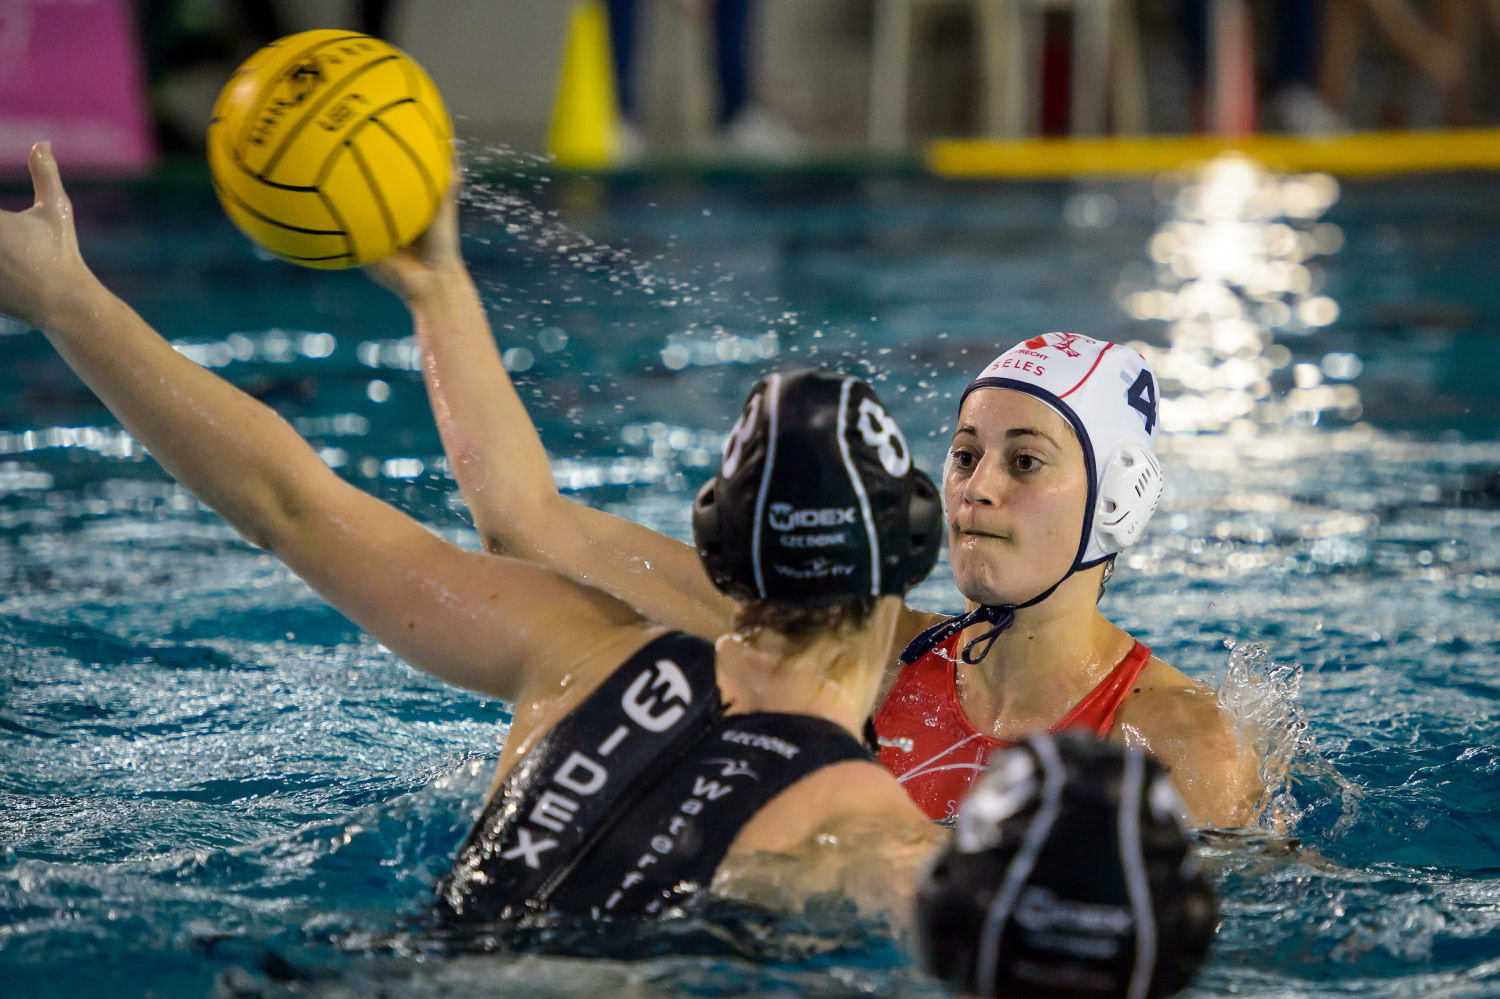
497,625
499,461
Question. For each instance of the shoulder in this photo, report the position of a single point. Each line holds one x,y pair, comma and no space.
911,624
1163,696
587,663
847,831
1173,710
1181,722
866,852
831,794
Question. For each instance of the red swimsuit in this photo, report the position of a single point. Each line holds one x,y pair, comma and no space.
933,749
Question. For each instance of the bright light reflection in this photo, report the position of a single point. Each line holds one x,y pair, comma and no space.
15,477
517,360
670,448
402,468
1234,267
273,346
402,355
110,442
684,351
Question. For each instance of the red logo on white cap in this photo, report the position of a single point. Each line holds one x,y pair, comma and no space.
1064,344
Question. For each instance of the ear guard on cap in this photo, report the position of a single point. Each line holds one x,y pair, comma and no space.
924,528
709,540
1129,491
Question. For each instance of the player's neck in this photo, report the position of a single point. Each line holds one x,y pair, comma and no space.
1062,644
836,675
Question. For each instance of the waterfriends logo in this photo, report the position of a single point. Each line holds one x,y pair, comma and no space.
818,568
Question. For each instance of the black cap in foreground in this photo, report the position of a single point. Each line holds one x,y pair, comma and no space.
1069,876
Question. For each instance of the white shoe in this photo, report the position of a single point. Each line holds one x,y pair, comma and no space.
630,144
755,133
1300,111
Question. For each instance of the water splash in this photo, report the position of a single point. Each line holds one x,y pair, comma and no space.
1263,697
704,333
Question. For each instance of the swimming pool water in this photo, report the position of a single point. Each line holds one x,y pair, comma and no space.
209,781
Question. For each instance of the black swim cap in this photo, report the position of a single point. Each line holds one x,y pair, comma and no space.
817,499
1069,876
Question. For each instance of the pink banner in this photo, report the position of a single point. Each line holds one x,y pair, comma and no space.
72,71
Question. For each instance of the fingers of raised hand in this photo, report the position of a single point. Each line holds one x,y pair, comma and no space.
39,260
47,182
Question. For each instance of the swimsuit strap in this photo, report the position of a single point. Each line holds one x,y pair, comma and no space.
629,803
671,842
1096,711
582,778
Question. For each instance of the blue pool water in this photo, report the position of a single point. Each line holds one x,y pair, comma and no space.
210,783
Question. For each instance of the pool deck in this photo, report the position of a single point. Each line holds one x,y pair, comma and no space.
1354,154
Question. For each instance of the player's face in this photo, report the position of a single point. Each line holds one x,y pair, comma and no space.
1015,488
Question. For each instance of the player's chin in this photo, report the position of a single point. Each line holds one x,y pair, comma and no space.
979,578
999,575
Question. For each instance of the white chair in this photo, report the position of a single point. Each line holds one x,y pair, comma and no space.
1107,74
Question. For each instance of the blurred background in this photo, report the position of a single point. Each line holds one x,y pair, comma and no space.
118,85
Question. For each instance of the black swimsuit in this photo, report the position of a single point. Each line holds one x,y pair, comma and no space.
631,801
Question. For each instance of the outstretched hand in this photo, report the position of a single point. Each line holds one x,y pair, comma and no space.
411,271
39,260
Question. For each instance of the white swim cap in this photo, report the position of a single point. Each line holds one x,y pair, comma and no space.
1107,393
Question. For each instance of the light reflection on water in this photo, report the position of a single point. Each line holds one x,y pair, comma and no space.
1234,268
199,761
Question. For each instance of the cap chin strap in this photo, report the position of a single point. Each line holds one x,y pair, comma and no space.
1000,617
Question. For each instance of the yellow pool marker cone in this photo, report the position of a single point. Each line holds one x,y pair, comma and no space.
585,117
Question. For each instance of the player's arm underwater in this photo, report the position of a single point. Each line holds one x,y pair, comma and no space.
501,626
499,461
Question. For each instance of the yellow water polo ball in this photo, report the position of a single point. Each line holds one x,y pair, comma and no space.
330,148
